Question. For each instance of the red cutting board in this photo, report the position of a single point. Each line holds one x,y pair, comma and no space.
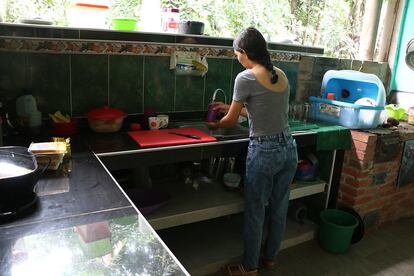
161,137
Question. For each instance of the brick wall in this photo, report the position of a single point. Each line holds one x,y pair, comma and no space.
369,186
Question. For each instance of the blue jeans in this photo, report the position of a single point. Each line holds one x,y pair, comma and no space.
270,167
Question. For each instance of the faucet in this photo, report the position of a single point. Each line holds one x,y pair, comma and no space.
215,94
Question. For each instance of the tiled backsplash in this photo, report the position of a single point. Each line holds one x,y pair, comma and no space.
75,76
76,83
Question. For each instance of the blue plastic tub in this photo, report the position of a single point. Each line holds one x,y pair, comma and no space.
349,88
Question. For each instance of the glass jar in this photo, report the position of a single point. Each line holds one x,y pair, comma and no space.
170,20
411,115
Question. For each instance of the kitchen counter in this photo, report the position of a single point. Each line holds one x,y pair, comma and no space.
84,224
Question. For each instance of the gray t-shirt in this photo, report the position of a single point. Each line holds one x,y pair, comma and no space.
267,110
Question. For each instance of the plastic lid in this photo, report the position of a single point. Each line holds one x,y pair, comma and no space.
105,113
91,6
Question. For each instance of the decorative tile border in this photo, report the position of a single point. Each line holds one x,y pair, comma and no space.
72,46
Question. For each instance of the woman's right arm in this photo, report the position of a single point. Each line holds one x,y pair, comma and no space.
224,108
230,119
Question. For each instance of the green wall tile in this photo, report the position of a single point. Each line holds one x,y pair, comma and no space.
291,71
158,84
14,78
52,85
45,76
189,93
125,83
218,76
89,82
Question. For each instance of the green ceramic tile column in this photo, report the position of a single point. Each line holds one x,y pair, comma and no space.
218,76
89,76
189,93
14,77
291,71
52,83
126,76
158,84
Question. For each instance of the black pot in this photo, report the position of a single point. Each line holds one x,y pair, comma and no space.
19,173
191,27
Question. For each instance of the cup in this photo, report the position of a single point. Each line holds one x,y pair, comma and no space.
158,122
163,120
154,123
305,112
211,113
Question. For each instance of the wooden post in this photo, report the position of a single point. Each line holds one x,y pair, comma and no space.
387,30
369,29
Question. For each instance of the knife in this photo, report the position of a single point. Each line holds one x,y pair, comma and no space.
186,135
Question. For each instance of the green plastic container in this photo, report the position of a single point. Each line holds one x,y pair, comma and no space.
124,24
395,112
336,230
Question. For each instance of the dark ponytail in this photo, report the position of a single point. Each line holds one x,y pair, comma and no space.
252,42
267,63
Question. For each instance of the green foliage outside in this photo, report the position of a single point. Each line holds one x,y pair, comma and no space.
332,24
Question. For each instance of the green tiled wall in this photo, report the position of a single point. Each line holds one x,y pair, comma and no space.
89,82
159,84
291,70
77,83
218,76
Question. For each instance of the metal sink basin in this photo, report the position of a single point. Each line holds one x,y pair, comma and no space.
235,132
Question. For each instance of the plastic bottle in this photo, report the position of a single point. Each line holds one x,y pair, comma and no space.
150,16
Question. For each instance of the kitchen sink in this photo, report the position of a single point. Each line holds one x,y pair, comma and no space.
235,132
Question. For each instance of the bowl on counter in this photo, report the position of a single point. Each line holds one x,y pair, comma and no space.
65,129
105,119
124,24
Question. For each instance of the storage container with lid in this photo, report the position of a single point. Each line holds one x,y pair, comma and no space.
105,119
88,14
359,99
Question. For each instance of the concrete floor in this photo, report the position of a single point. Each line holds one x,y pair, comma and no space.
388,250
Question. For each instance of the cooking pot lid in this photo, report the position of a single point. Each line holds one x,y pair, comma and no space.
105,113
192,22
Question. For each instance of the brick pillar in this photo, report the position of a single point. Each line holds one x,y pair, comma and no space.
370,187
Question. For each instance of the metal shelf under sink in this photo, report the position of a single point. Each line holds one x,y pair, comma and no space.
212,201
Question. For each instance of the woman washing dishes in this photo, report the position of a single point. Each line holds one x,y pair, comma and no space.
261,92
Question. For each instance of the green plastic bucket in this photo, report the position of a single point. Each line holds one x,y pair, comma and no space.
124,24
336,230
